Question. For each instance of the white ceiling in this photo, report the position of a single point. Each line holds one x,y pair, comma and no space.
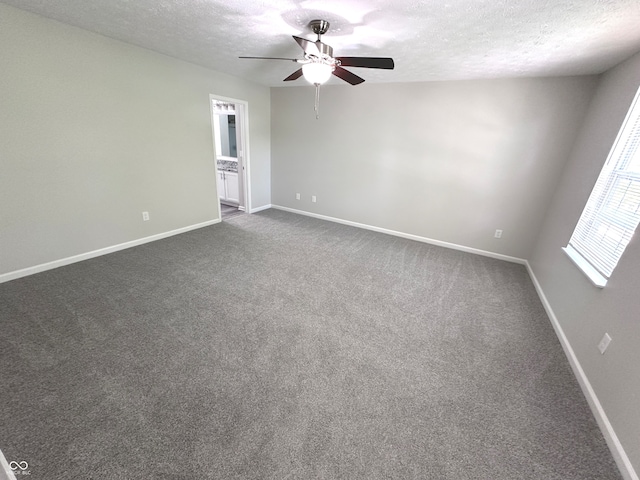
428,39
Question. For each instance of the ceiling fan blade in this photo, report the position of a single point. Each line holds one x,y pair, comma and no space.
307,45
347,76
367,62
272,58
294,76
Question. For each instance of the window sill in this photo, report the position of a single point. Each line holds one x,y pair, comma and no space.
585,267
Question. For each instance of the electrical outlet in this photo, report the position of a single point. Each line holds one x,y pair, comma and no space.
313,198
498,234
604,343
145,216
297,196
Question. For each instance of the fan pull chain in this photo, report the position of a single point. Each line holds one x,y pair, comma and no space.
317,104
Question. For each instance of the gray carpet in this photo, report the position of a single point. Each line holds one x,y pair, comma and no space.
277,346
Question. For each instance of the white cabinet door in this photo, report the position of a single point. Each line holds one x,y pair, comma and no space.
220,182
233,192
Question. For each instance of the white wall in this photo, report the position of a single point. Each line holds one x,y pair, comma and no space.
450,161
95,131
583,311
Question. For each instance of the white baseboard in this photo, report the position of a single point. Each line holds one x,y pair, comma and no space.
406,235
259,209
5,277
617,450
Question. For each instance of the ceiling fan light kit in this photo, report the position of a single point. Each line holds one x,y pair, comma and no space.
317,73
318,62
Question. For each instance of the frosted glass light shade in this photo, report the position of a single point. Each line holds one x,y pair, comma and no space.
316,73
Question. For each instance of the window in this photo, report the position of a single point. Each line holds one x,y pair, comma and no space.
612,212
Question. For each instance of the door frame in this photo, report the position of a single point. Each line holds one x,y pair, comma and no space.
242,135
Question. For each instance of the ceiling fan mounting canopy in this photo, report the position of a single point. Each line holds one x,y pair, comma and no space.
319,27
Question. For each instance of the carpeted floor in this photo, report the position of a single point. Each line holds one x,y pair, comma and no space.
277,346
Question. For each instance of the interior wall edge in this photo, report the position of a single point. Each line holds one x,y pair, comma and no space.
610,436
408,236
24,272
5,469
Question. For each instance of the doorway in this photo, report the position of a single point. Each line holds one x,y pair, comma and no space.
229,118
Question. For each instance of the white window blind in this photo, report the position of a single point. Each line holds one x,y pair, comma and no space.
612,212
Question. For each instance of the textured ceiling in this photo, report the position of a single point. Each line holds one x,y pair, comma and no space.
428,39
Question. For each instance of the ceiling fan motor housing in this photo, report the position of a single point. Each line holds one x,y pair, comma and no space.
324,49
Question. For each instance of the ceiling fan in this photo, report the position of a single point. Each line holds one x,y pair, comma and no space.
318,62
